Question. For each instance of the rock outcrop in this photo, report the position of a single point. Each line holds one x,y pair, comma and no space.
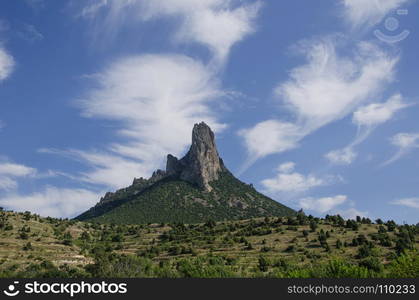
193,189
201,164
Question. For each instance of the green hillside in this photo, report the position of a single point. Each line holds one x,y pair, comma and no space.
301,246
173,200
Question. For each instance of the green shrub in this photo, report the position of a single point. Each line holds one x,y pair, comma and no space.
405,266
263,263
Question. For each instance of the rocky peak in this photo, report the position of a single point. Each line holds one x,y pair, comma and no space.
201,164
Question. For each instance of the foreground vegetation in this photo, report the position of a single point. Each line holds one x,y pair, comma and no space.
301,246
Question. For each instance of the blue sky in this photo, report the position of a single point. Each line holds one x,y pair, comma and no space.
314,102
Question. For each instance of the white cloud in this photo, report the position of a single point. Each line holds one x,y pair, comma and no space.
287,167
330,205
17,170
325,89
378,113
343,156
93,8
322,205
52,201
367,118
156,99
371,12
30,33
213,23
7,64
408,202
352,213
289,181
216,24
406,142
7,183
10,171
270,137
106,168
330,86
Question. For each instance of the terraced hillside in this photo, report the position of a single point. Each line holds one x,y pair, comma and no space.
298,246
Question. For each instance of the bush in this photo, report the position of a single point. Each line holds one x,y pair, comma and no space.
313,226
391,225
364,251
27,215
120,266
28,246
372,263
67,239
199,267
405,266
249,246
23,235
263,263
85,236
117,238
340,269
265,249
290,248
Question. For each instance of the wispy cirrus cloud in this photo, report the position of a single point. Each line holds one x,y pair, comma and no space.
367,118
216,24
10,172
30,33
104,167
352,213
378,113
155,99
330,86
325,89
406,142
7,64
407,202
269,137
361,13
287,180
52,201
322,205
344,156
331,205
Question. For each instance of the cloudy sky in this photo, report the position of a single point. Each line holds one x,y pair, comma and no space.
314,102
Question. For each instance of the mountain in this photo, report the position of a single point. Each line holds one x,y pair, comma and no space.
194,189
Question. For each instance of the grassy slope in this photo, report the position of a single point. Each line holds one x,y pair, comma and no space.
167,247
178,201
44,239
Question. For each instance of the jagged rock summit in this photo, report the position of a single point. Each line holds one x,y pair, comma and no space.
192,189
201,164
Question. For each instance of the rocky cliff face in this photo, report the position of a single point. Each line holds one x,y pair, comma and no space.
201,164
